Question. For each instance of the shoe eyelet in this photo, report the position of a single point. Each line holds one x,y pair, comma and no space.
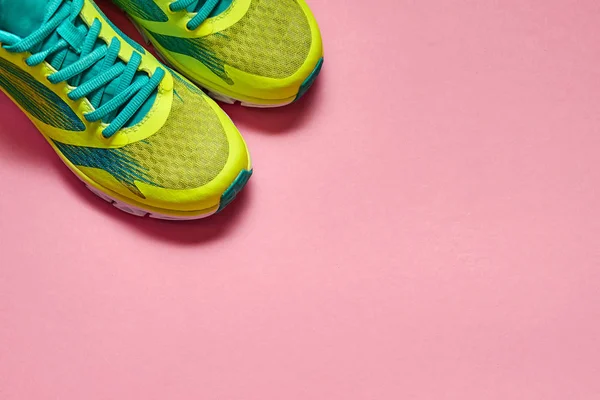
102,137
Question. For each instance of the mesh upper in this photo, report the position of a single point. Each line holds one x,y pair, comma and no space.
189,151
273,39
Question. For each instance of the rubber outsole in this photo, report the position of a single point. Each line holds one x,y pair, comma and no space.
230,100
226,198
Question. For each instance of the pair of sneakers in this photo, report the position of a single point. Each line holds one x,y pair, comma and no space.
137,133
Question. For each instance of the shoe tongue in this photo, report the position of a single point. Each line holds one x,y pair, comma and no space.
22,17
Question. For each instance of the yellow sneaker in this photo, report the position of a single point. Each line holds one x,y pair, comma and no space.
264,53
136,133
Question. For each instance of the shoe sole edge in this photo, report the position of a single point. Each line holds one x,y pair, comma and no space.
226,199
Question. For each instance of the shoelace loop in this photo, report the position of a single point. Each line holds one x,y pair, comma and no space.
202,10
131,93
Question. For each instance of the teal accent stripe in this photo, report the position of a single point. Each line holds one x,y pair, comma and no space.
144,9
195,48
37,99
116,162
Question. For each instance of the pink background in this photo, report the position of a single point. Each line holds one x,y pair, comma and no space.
424,225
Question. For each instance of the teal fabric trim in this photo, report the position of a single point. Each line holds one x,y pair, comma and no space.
37,99
22,17
310,80
235,188
144,9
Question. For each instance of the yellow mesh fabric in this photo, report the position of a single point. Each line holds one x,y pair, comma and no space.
273,39
190,150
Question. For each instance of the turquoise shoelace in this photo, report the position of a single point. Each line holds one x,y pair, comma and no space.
202,10
132,91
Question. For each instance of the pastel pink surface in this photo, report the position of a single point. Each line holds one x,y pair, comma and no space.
423,225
